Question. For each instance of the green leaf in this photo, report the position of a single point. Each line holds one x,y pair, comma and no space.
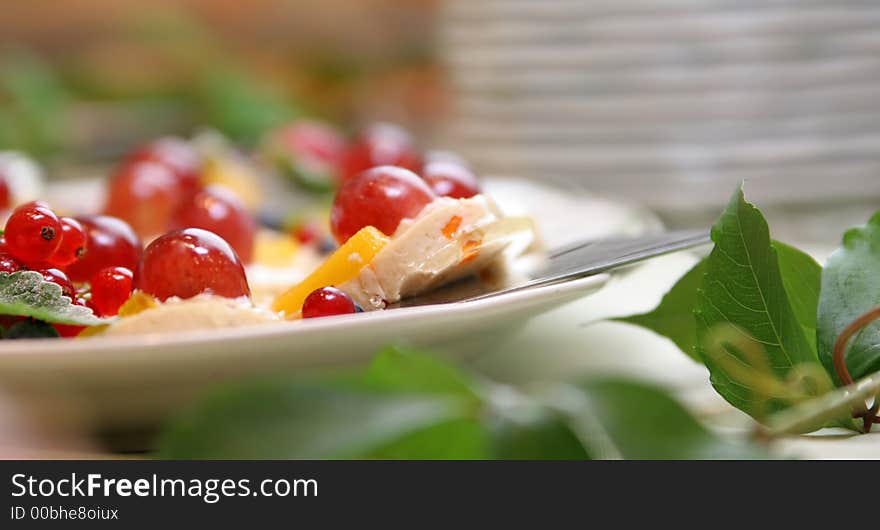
400,369
636,421
30,329
545,437
743,296
26,293
285,420
673,318
850,288
458,439
801,278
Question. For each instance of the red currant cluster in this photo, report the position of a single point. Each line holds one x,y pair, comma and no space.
159,188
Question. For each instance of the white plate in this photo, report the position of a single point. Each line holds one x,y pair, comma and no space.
120,383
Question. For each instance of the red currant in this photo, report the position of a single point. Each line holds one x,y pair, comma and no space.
185,263
9,264
380,144
327,301
307,233
217,210
178,156
111,287
59,278
68,331
33,233
5,196
145,195
110,242
380,197
73,243
450,179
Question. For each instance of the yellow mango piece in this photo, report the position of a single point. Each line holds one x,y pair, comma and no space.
275,249
341,266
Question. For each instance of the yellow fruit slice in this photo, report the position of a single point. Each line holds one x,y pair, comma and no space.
341,266
275,249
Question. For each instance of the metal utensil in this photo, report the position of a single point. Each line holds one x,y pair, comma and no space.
571,262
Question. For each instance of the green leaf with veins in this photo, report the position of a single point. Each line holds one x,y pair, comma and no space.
28,294
620,419
801,278
673,318
850,288
744,290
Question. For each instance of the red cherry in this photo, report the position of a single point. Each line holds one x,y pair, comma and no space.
327,301
5,196
9,264
217,210
450,179
57,277
33,233
145,195
110,242
73,243
178,156
380,144
380,197
185,263
111,287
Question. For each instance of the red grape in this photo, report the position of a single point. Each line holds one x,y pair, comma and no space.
145,195
110,242
33,233
217,210
175,154
450,179
327,301
59,278
111,287
311,150
73,243
380,144
380,197
185,263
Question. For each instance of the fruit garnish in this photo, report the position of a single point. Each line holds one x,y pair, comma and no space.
29,294
309,153
175,154
110,242
450,179
138,302
9,264
450,228
189,262
73,243
144,194
275,249
380,197
327,301
33,233
111,287
217,210
380,144
5,197
341,266
58,277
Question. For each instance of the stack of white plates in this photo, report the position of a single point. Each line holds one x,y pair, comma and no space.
670,101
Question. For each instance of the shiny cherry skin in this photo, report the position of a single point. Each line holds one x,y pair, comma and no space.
56,276
178,156
380,144
110,242
9,264
218,210
145,195
380,197
33,233
327,301
110,288
186,263
451,179
73,243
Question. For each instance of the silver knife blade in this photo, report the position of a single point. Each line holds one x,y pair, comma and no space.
571,262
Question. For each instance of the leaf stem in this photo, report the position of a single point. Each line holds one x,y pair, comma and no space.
868,415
